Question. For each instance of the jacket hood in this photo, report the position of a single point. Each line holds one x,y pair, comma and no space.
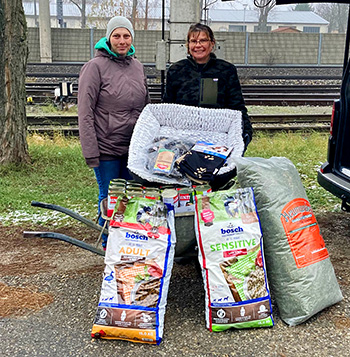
103,45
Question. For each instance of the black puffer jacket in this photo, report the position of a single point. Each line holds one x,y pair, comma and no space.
183,86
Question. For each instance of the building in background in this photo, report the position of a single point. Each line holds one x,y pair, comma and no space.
247,21
229,20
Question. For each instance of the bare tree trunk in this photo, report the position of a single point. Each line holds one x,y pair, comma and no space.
264,8
262,25
83,14
82,9
133,14
13,61
146,15
343,11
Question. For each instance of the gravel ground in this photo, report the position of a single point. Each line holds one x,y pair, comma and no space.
67,281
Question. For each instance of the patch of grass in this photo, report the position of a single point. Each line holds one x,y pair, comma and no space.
252,109
58,174
306,109
50,109
307,151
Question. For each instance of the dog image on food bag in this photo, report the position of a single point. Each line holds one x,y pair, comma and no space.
231,259
138,263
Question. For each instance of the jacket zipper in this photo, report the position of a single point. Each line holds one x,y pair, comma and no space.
201,88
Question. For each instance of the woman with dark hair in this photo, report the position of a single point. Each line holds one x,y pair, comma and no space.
204,80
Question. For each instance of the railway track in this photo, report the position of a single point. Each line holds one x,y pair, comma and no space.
261,85
297,72
68,124
43,93
46,87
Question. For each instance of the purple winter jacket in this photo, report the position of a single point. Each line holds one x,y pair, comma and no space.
112,93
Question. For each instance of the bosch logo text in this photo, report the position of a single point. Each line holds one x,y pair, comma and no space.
135,236
231,230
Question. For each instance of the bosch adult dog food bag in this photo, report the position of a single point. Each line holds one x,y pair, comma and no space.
139,259
300,273
232,261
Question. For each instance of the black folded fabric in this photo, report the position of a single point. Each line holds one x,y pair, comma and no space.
200,167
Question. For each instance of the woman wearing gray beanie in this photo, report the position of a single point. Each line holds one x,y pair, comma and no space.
112,93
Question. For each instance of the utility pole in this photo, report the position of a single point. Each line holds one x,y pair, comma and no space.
35,15
244,9
60,13
45,31
183,13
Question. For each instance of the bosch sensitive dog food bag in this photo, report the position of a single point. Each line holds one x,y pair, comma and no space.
139,259
232,261
300,273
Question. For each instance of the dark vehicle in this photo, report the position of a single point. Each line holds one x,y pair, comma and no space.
334,174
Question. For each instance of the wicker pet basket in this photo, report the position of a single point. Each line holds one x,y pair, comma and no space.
186,123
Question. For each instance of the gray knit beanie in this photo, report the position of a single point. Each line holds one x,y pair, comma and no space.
116,22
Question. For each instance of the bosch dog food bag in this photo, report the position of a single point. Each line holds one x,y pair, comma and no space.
300,273
139,259
232,261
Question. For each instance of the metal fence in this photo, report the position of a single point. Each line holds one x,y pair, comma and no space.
77,45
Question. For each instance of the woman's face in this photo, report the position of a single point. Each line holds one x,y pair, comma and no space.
120,41
200,47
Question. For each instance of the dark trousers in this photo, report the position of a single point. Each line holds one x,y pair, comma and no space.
107,171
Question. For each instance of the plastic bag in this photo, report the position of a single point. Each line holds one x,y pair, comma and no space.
300,273
162,155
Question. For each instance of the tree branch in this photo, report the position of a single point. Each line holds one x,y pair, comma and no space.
77,5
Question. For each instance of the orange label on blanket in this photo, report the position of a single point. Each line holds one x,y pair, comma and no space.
303,233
